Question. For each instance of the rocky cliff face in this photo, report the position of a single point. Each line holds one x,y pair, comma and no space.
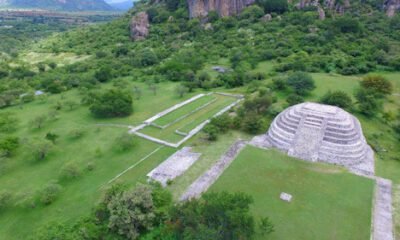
140,26
391,6
201,8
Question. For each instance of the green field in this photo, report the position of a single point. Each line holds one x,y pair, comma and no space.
61,59
328,202
25,177
184,110
191,121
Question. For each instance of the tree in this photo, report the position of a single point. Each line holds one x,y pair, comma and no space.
337,98
8,122
153,88
40,150
52,137
103,74
52,65
70,171
5,198
112,103
50,193
347,25
181,90
137,92
279,83
222,123
211,131
265,226
302,83
367,102
71,104
278,6
252,124
258,104
378,85
293,99
39,121
125,142
216,216
132,213
8,146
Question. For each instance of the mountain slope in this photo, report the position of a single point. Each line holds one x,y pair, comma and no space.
121,5
64,5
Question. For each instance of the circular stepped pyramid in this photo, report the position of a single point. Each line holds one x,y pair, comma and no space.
318,132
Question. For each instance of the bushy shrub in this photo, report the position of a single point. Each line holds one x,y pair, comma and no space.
279,83
211,132
347,25
70,171
125,142
367,102
252,124
377,84
9,145
277,6
112,103
337,98
294,99
301,82
50,193
5,198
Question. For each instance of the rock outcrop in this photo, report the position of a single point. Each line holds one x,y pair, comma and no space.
140,26
201,8
391,6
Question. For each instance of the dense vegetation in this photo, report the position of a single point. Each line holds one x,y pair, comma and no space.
148,211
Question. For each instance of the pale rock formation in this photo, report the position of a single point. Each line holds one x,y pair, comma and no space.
321,13
266,18
208,27
317,132
140,26
391,6
201,8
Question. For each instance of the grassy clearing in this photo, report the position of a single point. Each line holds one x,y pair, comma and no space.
24,177
61,59
184,110
190,122
328,202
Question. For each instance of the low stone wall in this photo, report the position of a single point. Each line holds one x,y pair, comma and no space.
208,178
382,214
230,95
173,108
188,114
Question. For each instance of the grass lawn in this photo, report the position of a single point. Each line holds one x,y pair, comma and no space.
24,177
328,202
190,122
184,110
61,59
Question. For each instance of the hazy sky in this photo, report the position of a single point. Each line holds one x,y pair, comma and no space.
116,1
